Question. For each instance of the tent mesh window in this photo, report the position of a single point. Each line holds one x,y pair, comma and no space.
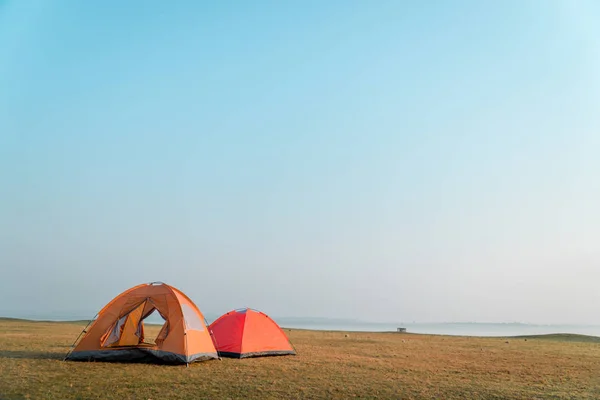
190,316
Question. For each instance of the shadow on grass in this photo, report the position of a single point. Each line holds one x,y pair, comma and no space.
31,355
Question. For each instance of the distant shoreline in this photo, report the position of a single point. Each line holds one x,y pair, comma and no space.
442,329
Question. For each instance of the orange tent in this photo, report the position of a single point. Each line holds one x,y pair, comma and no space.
117,334
249,333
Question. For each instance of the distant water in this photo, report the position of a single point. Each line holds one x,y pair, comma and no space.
457,329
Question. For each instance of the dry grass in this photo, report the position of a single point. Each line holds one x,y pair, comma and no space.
328,365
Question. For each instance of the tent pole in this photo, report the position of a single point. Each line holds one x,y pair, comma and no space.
76,340
187,364
214,340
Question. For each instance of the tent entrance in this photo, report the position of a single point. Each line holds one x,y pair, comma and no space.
153,326
129,330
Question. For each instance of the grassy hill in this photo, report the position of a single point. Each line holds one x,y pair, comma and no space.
562,337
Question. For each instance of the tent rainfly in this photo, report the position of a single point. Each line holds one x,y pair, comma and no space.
249,333
117,333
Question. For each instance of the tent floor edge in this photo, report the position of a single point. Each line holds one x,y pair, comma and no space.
137,355
258,354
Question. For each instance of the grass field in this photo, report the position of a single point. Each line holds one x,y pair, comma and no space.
328,365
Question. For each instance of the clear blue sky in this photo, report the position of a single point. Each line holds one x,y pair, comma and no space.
379,160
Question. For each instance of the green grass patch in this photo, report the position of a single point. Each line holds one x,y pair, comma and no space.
562,337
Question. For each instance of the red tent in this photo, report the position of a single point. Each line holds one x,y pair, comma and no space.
249,333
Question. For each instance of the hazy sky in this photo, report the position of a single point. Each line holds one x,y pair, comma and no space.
379,160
